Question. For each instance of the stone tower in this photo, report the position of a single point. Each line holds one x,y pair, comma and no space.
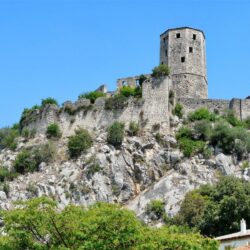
183,50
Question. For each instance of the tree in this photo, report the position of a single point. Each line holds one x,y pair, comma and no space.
38,224
217,209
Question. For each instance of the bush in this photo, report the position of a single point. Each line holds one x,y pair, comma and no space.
49,100
203,130
184,132
161,70
79,143
101,226
142,79
230,117
191,147
128,91
134,129
116,134
116,102
28,160
8,138
6,175
178,110
247,122
53,131
28,134
92,96
211,207
25,162
201,114
157,208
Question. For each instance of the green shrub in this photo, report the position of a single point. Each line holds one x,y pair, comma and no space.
28,160
191,147
4,172
211,207
116,134
142,79
25,162
201,114
134,129
128,91
203,130
49,100
53,131
157,208
44,153
230,117
184,132
247,122
178,110
8,138
231,140
207,152
92,96
161,70
116,102
79,143
28,133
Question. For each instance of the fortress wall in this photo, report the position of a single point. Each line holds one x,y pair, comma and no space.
152,108
191,105
245,108
155,92
190,86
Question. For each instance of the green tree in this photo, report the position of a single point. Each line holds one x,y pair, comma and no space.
38,224
211,207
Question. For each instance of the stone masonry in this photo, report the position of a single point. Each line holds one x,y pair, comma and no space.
183,50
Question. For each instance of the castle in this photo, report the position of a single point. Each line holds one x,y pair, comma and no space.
183,50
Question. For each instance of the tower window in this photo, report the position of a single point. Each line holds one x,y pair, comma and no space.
190,49
166,52
161,62
178,35
194,36
183,59
164,40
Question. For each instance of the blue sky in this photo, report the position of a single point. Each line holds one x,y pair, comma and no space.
61,48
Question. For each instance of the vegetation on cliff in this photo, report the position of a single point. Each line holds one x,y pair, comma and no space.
216,209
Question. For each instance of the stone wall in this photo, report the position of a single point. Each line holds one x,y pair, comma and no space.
191,105
151,109
132,81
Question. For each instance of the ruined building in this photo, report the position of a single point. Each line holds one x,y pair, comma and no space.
183,50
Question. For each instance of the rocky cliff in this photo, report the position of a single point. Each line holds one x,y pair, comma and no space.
143,169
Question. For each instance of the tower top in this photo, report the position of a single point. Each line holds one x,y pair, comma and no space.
182,28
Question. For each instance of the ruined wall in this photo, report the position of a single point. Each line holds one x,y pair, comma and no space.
132,81
151,109
241,107
191,105
156,107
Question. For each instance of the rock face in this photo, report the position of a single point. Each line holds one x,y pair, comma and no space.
141,171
